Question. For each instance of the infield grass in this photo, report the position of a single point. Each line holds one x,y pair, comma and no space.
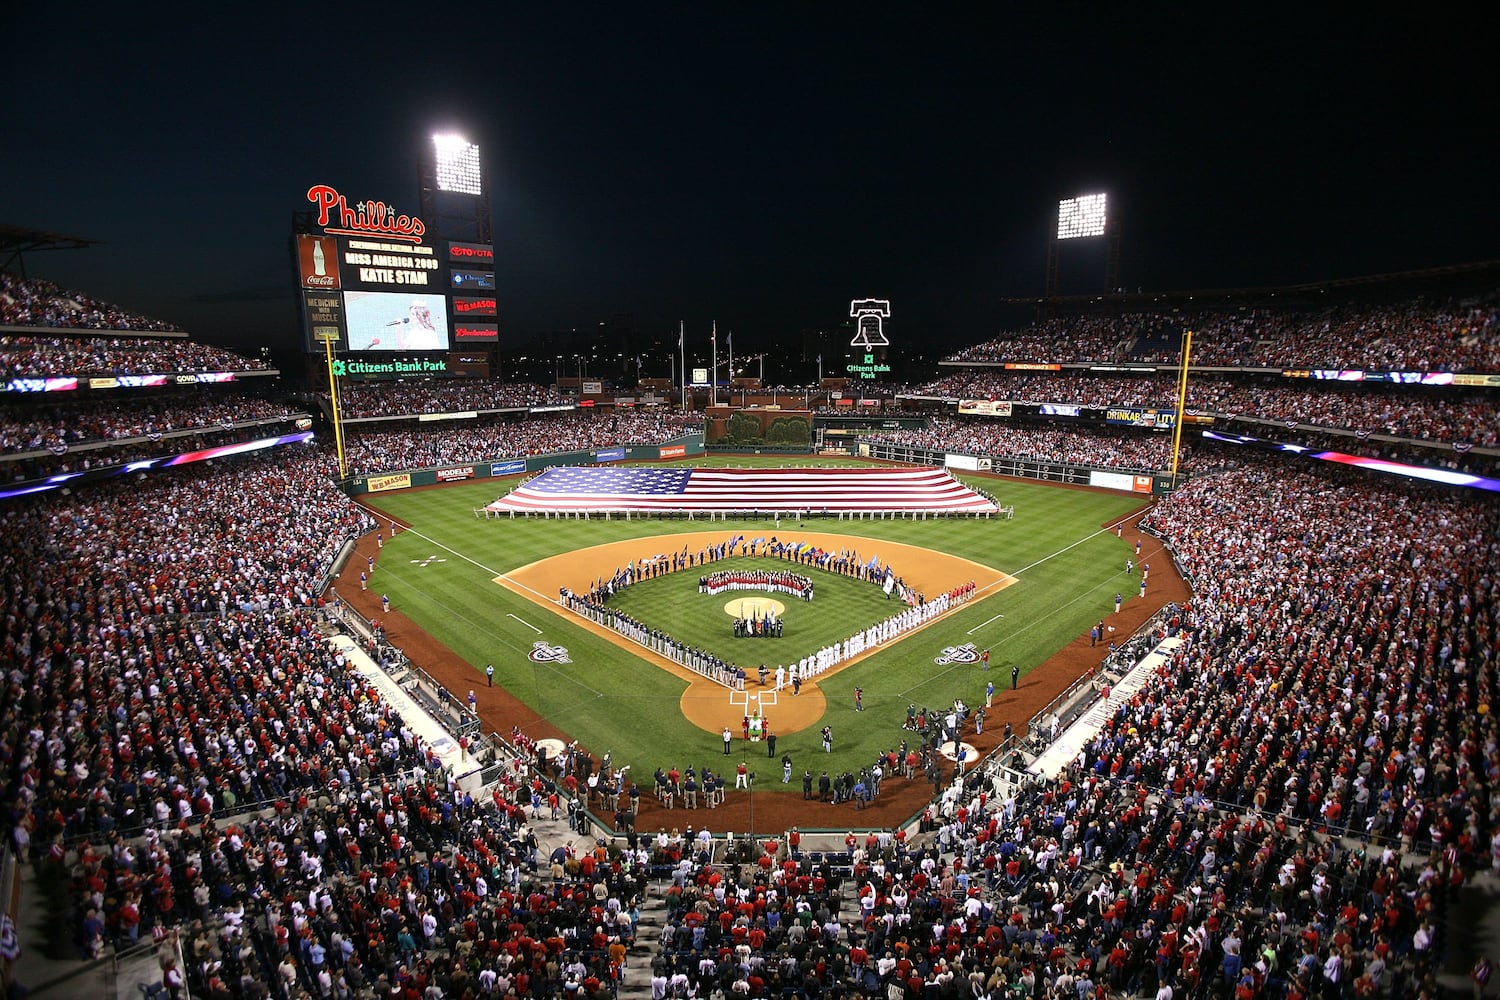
1067,564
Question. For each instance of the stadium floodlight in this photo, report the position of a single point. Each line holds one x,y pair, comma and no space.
456,164
1081,216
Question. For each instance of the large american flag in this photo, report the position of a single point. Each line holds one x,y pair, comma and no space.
572,488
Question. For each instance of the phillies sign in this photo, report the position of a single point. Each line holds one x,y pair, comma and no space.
365,218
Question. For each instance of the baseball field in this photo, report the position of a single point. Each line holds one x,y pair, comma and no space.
483,591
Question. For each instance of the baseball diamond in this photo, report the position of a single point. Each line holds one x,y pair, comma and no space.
1040,582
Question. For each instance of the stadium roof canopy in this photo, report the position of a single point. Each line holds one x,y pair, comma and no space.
16,241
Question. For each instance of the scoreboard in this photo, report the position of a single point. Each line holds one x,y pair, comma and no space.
371,280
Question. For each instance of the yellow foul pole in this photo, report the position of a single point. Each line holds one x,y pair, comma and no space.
338,420
1182,381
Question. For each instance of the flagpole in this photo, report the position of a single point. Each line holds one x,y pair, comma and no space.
714,379
681,330
729,340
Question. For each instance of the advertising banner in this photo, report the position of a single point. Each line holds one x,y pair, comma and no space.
1120,481
382,484
484,306
1112,480
1136,416
318,262
323,312
985,407
477,254
508,468
591,388
473,281
966,462
455,474
609,455
467,332
673,451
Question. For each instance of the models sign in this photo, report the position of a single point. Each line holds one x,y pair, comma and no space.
365,218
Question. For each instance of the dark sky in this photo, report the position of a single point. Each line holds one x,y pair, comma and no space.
753,164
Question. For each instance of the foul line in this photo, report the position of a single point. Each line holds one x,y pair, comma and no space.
982,624
1066,548
1033,623
524,622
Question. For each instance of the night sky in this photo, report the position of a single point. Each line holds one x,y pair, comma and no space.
759,166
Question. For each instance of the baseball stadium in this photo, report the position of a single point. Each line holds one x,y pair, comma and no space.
948,653
1146,646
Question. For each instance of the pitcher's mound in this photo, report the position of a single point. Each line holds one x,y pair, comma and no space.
754,607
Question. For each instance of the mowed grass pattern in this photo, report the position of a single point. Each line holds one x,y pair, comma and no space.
840,607
1069,568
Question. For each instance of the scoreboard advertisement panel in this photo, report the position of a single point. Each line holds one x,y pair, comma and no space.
473,307
324,316
318,260
473,281
468,332
472,254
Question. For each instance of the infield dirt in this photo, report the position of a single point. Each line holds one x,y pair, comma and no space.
706,703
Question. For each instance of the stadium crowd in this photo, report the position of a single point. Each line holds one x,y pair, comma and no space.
1103,449
36,302
1412,335
1416,412
383,399
1298,832
1285,809
370,450
35,425
1348,630
31,355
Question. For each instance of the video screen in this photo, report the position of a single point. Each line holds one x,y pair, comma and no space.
395,321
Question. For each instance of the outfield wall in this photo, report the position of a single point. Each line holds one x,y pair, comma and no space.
1152,484
688,446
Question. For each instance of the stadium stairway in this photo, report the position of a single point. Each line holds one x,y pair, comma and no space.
51,965
635,983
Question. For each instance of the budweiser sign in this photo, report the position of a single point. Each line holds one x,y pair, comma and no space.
364,218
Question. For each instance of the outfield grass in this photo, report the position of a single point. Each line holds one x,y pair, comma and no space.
1068,571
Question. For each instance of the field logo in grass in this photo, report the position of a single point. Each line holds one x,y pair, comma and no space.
967,653
545,652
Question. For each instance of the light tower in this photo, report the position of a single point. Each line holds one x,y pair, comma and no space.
1084,217
455,198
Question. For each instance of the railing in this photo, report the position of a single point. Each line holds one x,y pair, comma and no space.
449,710
10,904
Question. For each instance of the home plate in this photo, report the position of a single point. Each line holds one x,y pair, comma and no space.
951,751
